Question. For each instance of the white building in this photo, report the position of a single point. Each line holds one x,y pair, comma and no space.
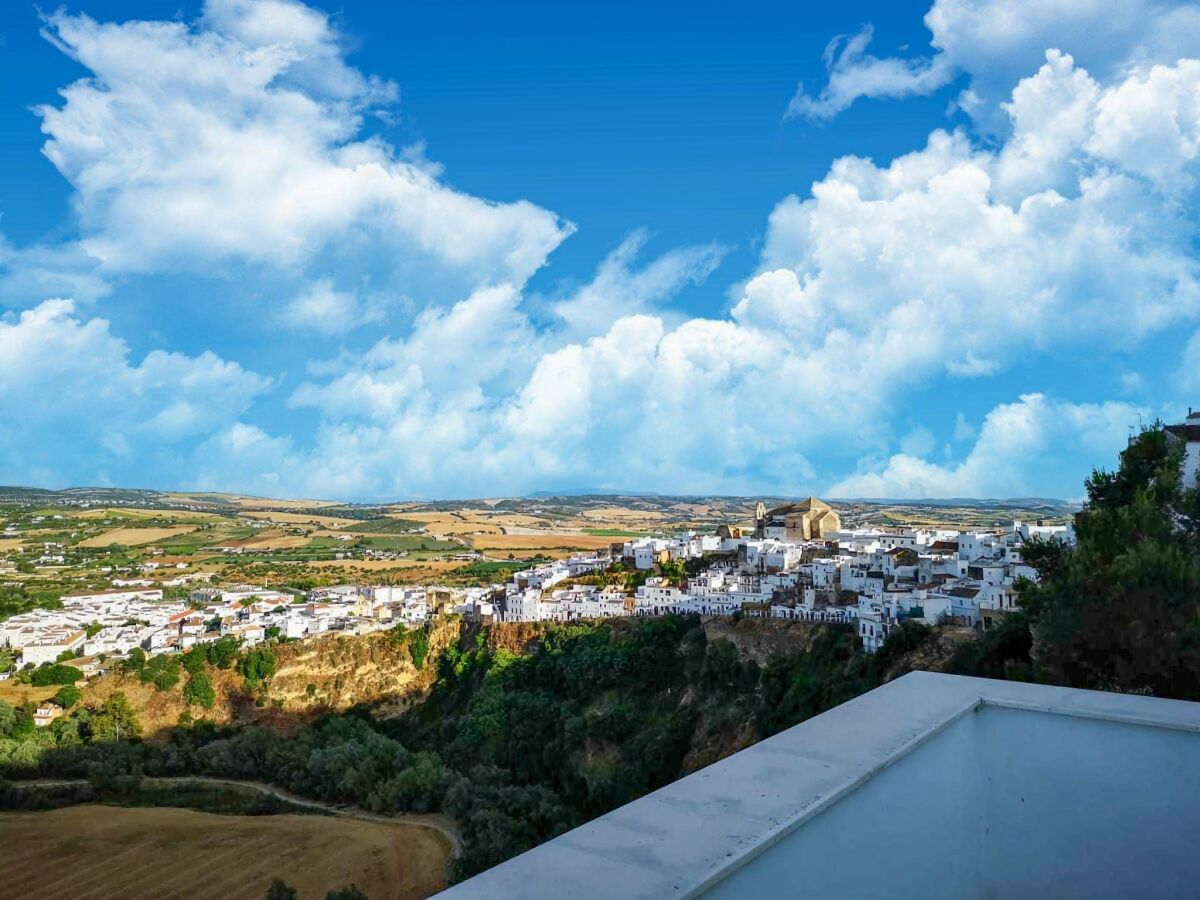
51,647
1189,435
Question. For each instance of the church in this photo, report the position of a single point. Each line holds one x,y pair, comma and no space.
808,520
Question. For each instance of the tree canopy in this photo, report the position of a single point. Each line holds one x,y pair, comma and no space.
1121,610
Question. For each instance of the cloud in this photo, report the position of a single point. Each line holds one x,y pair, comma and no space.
854,73
1187,376
46,270
918,442
1019,452
237,139
951,261
59,371
1150,125
323,309
619,289
995,42
963,430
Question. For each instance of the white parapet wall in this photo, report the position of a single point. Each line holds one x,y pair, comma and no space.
931,786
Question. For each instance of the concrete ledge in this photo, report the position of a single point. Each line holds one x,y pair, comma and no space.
686,838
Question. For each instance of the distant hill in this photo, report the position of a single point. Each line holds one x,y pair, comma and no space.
583,507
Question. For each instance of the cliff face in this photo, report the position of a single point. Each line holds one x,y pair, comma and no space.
760,639
327,674
334,672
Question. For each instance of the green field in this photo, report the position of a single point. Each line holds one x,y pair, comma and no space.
209,536
410,542
385,525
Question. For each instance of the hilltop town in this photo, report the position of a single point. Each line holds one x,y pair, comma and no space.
793,561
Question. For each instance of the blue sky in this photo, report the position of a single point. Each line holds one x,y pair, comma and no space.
444,249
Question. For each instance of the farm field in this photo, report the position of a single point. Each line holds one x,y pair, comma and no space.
295,542
136,537
298,518
135,514
273,541
423,567
542,541
91,852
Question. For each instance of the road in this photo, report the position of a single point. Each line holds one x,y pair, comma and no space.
439,823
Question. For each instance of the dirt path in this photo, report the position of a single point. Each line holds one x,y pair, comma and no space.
444,825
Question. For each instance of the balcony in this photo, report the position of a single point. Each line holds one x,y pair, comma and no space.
931,786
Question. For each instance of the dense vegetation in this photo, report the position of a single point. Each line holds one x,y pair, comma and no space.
516,748
1121,610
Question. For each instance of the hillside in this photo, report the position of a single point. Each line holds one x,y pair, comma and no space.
312,678
516,731
334,673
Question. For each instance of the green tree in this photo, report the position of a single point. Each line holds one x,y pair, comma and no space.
162,671
280,890
137,659
8,720
222,653
1121,610
349,892
68,695
54,673
257,665
199,690
195,659
418,645
115,720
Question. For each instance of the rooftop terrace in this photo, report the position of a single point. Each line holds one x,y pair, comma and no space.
931,786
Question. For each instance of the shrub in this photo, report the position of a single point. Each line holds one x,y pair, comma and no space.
54,673
257,665
199,690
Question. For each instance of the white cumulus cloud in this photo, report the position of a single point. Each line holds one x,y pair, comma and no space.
236,138
995,42
1019,453
58,368
950,261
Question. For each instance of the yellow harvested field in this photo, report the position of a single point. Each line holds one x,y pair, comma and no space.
449,523
273,541
141,513
540,541
514,521
622,514
461,528
9,544
135,537
297,518
267,503
156,853
458,515
525,553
